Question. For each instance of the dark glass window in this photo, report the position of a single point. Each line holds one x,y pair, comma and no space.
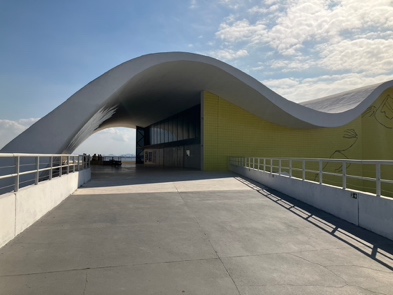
182,126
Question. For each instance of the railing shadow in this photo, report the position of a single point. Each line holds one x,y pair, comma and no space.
372,245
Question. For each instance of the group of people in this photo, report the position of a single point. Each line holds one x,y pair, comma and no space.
97,158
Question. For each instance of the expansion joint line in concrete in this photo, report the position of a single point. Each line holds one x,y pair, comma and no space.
108,267
226,269
86,281
278,253
60,271
340,277
323,266
218,256
389,269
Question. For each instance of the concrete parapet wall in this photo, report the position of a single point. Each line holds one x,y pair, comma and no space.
368,211
21,209
376,214
7,217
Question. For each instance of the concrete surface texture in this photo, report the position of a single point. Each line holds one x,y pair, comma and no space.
19,210
367,210
149,231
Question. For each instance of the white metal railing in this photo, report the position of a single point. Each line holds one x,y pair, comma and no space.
373,176
19,170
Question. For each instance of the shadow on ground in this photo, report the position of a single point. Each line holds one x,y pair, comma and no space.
374,246
366,242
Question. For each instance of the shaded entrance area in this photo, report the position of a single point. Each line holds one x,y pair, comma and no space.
155,231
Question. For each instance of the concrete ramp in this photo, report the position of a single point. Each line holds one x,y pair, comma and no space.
148,231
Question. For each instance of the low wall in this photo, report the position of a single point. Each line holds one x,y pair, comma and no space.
368,211
21,209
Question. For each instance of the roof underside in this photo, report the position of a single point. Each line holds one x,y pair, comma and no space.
173,86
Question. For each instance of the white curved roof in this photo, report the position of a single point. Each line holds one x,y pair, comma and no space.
150,88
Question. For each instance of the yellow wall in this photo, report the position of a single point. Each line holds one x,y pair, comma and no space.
232,131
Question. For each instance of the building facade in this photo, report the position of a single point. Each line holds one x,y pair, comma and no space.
194,111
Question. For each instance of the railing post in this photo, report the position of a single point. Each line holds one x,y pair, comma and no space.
264,164
279,166
51,168
17,170
378,179
259,164
37,175
344,168
73,163
68,164
320,172
271,165
290,168
61,166
253,163
304,169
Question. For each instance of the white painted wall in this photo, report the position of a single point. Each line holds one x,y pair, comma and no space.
376,214
20,210
7,218
368,211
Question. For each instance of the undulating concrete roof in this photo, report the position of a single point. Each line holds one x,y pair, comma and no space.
150,88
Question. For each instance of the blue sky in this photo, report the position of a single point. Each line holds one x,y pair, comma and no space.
302,49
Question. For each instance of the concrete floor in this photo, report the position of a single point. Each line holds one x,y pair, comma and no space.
149,231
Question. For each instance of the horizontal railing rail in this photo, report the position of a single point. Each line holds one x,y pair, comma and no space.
372,176
19,170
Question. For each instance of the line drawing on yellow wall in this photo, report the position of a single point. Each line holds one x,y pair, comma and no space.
352,137
383,112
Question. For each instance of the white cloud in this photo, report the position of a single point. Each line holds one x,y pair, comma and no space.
372,56
240,31
264,10
10,129
194,4
117,141
291,65
349,41
229,54
232,4
271,2
305,20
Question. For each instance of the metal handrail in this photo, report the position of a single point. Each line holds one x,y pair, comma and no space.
34,168
285,167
